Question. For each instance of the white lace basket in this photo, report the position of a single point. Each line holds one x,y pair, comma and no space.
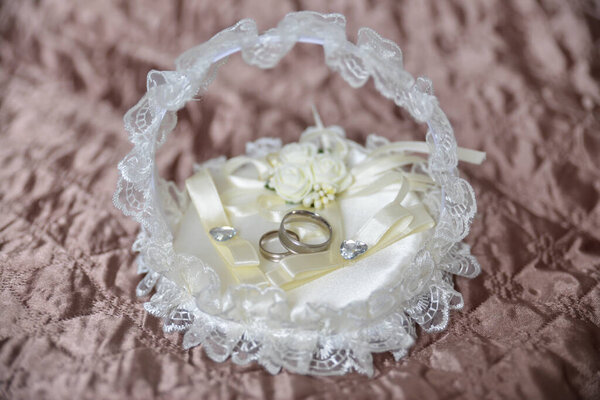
249,323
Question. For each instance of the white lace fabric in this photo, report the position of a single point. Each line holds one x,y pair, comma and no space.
247,323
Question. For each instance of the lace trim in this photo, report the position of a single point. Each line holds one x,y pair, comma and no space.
188,292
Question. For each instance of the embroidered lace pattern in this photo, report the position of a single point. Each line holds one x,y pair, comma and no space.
246,323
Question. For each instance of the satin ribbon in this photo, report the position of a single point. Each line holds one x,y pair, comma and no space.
238,253
377,175
242,202
466,155
237,163
297,270
391,223
379,171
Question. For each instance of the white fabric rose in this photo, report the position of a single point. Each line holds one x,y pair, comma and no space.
331,170
298,153
292,182
331,140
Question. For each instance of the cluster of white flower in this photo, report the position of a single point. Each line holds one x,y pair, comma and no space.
310,175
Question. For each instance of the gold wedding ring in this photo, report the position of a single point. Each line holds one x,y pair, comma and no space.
293,243
269,255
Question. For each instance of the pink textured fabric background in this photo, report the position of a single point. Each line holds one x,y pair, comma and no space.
519,79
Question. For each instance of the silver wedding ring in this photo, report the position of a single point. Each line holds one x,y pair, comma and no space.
293,243
269,255
290,239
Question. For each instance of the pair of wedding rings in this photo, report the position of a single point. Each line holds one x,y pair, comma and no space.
291,241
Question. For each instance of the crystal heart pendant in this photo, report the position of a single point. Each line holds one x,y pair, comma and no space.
223,233
350,249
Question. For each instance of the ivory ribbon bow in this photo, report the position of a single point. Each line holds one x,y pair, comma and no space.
248,195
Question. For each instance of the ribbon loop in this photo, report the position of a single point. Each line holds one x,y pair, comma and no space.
240,163
239,254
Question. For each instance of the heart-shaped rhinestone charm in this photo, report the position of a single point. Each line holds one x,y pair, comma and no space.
350,249
223,233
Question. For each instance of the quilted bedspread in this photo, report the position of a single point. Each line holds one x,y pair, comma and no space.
519,79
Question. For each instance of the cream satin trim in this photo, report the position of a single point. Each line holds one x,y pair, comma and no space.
239,254
294,271
236,163
311,266
375,166
243,198
375,184
243,202
249,196
390,215
390,224
419,182
466,155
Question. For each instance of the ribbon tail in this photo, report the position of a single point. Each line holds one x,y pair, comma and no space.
466,155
